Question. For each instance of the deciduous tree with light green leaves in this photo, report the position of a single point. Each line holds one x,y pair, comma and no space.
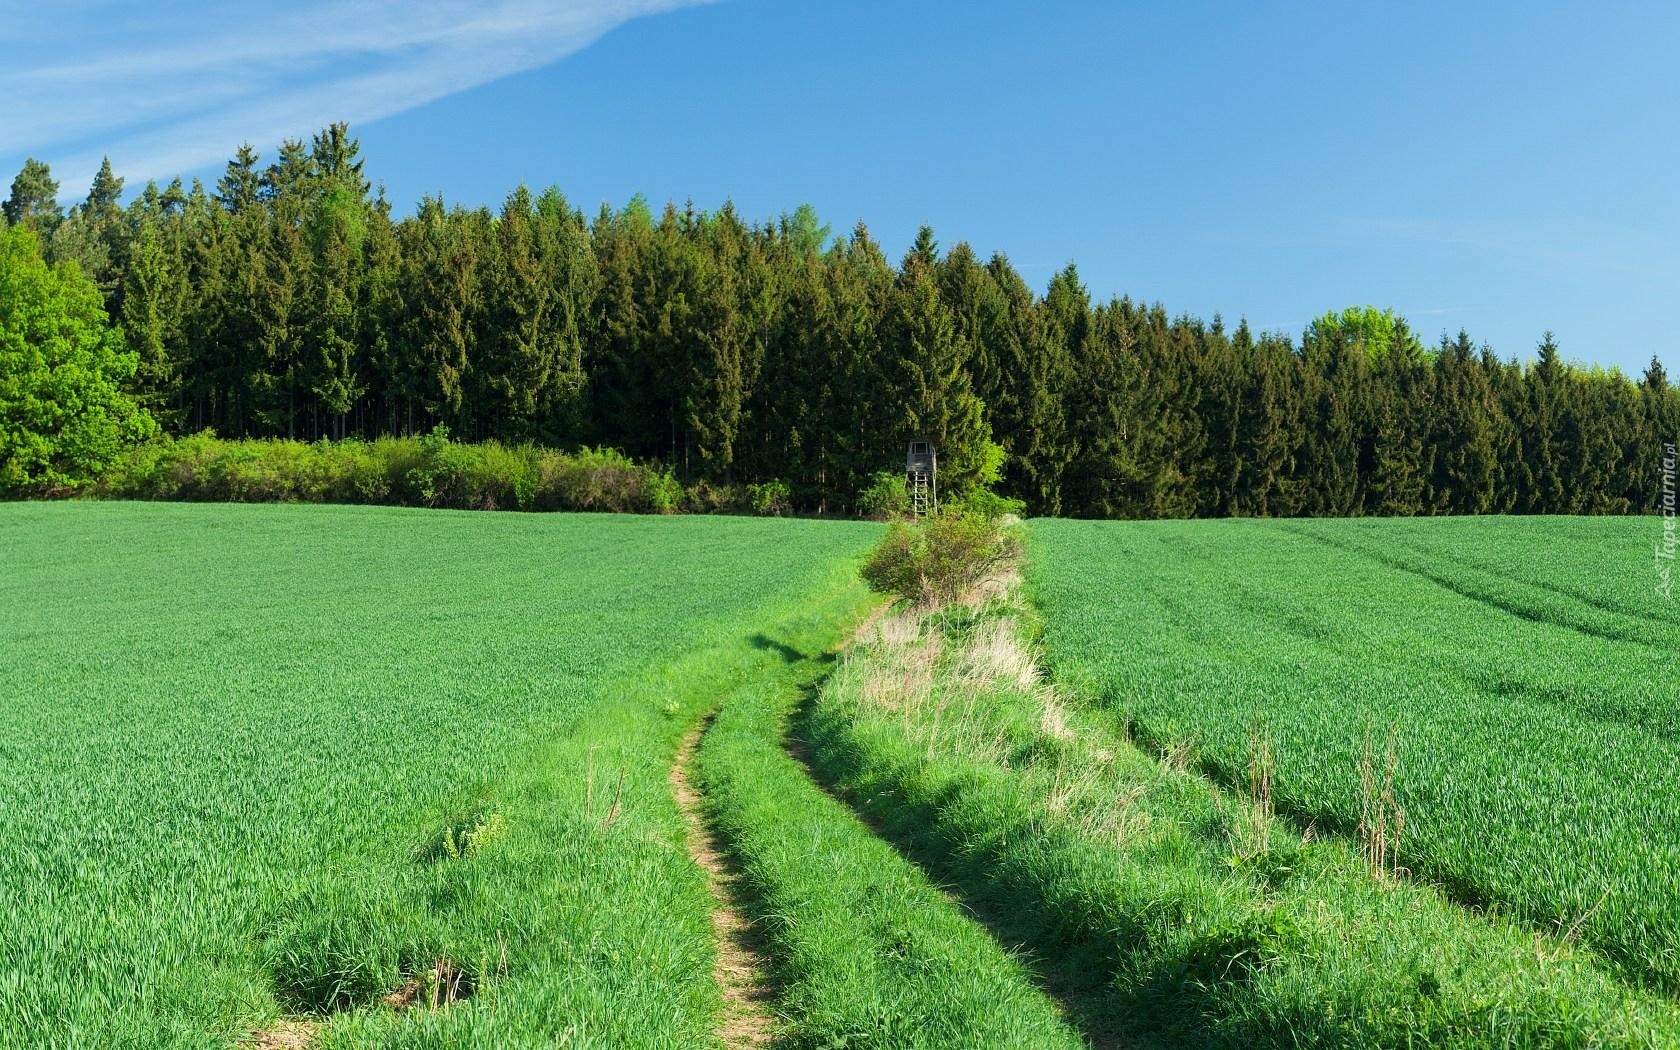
63,414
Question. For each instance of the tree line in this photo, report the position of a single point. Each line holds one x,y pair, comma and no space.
288,300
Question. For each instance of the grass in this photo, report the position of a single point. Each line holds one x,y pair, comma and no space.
868,952
403,777
288,760
1164,908
1524,665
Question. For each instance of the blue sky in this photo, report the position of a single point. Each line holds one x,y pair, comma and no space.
1505,168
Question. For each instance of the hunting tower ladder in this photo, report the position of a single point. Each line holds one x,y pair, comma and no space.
920,477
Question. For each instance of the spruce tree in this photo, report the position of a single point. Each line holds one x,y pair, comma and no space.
241,185
153,307
933,397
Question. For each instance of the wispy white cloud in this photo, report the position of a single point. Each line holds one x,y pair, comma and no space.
175,92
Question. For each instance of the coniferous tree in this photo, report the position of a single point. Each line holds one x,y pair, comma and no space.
861,416
95,236
33,201
927,367
153,306
1103,478
1463,432
1542,490
241,186
441,295
1400,404
1041,341
336,230
1336,368
619,359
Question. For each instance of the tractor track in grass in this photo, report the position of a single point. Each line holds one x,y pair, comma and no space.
742,971
1077,999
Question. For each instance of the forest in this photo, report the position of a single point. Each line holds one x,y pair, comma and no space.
292,300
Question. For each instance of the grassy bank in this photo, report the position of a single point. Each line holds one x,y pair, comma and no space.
1164,906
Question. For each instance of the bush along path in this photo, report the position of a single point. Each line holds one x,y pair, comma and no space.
1164,908
864,950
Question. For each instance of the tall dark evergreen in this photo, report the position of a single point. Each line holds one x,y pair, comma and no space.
927,359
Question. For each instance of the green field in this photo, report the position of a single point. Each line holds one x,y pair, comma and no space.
377,777
233,738
1526,664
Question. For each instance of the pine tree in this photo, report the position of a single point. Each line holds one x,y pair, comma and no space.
627,409
1101,479
104,199
284,184
441,296
1399,406
537,277
933,397
1270,428
1543,491
568,265
1464,465
153,306
982,325
1048,338
861,419
336,231
336,159
1336,399
241,186
34,199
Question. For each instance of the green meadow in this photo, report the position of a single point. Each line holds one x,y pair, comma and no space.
353,777
280,760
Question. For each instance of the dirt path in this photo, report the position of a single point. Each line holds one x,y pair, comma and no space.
742,972
283,1035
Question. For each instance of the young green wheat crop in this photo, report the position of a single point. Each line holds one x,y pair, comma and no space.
294,759
1524,667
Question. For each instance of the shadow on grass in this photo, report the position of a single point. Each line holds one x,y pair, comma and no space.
1075,975
788,653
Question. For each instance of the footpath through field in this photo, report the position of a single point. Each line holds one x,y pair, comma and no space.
742,971
862,948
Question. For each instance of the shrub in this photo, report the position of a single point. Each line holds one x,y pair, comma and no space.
707,497
432,471
500,476
594,479
771,497
201,467
601,479
439,479
664,492
988,504
886,496
947,558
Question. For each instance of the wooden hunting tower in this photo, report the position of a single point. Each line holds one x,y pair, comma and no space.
920,470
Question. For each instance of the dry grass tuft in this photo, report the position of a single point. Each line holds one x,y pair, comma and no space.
900,628
1381,817
1053,717
996,657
